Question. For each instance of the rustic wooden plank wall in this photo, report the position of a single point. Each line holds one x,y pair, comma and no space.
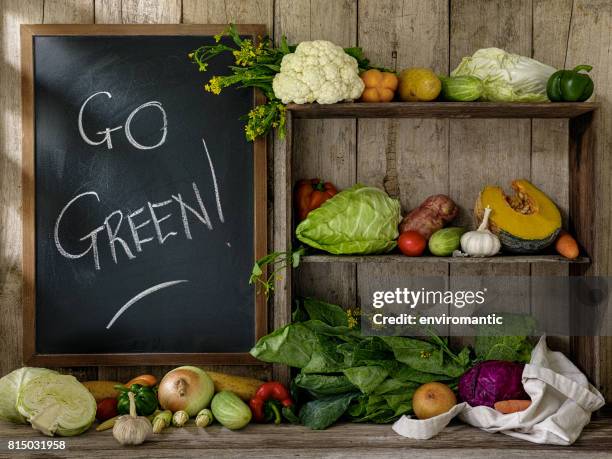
421,157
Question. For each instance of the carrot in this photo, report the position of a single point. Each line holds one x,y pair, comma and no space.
512,406
143,380
566,245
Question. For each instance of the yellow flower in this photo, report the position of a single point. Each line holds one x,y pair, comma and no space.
218,37
214,85
352,316
244,56
250,134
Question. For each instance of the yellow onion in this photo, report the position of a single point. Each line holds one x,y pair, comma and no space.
185,388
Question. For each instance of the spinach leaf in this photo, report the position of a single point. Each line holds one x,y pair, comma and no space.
322,385
327,313
424,356
320,414
369,351
395,386
400,403
341,332
325,358
292,345
366,378
406,373
508,342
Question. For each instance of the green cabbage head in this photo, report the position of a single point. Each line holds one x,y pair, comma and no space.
359,220
10,385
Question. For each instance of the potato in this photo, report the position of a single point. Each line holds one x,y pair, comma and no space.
430,216
444,206
102,389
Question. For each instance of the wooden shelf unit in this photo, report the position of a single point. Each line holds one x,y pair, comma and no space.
399,258
341,441
581,187
441,110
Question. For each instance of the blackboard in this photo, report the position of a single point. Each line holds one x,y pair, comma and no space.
145,207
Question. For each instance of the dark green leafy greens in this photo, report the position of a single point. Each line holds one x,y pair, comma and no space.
508,342
346,375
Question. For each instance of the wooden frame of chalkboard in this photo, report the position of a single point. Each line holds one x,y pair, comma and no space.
260,216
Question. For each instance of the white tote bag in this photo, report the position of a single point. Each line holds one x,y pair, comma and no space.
562,401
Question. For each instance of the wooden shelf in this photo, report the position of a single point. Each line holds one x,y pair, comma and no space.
340,441
443,110
398,258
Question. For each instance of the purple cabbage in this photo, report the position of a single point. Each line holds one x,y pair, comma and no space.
492,381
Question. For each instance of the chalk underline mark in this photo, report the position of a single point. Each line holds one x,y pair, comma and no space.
140,296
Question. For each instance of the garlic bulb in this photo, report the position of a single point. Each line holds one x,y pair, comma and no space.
131,429
482,242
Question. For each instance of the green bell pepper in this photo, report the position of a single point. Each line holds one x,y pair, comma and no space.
144,397
570,85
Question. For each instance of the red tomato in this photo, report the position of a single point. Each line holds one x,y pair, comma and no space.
411,244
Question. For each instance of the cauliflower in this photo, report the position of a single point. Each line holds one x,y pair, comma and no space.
318,71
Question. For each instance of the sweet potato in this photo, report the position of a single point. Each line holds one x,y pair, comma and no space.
512,406
431,216
243,387
102,389
567,246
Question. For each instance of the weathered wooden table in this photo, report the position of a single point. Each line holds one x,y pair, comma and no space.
341,441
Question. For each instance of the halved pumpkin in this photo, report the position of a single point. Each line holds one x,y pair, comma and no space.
527,222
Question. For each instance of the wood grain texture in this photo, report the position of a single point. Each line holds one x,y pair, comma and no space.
325,149
283,234
340,441
151,11
549,138
226,11
491,151
509,25
136,11
59,12
441,110
395,259
13,14
238,12
69,11
590,41
406,158
107,12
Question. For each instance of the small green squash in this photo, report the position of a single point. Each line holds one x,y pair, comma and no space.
445,241
230,411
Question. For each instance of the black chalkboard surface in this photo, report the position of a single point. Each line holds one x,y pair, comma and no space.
145,202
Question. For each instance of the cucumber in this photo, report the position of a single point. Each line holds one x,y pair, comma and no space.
461,88
445,241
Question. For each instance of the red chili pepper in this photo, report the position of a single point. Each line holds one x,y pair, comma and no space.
272,390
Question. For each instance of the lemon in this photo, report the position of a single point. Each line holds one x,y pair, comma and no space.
419,84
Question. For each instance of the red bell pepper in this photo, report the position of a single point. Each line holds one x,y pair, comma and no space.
310,194
265,397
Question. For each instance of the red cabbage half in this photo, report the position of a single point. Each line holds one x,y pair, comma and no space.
492,381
